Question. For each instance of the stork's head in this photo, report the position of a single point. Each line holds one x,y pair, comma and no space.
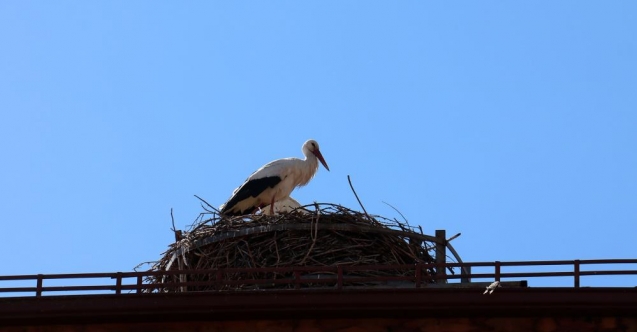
312,147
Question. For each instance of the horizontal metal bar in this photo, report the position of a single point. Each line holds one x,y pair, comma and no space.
80,275
609,261
17,289
608,273
305,271
309,269
77,288
536,263
19,277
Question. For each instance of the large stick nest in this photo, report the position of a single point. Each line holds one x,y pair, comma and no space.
318,235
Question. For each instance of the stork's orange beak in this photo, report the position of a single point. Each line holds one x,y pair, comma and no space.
318,155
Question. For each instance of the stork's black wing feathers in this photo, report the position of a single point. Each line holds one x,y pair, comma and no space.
251,188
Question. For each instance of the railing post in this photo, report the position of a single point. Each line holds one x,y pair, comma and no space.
465,276
576,272
38,287
441,254
497,270
297,280
182,280
339,277
118,283
140,280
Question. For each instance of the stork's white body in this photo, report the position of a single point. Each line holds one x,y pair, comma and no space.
292,172
274,182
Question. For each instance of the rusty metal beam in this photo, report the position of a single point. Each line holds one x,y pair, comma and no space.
408,303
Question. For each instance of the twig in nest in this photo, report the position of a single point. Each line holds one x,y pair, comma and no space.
173,220
359,201
395,209
276,247
313,235
144,263
208,204
178,234
318,216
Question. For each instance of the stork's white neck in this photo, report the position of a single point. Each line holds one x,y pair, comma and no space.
310,166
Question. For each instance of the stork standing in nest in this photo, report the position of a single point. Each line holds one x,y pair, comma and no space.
274,182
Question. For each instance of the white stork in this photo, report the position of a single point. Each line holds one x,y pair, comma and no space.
283,206
274,182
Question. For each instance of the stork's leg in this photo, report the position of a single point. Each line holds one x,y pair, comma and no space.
272,206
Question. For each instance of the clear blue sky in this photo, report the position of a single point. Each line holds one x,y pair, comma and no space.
514,123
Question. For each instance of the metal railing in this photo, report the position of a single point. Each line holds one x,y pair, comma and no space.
338,277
